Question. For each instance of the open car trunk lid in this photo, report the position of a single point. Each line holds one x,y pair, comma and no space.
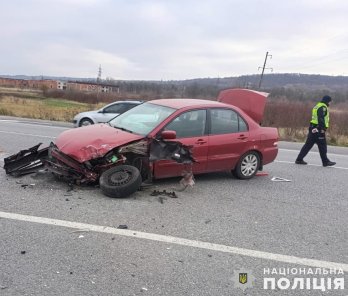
250,101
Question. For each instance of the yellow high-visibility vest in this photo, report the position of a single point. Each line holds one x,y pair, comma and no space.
315,114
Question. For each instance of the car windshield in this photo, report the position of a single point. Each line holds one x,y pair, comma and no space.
142,119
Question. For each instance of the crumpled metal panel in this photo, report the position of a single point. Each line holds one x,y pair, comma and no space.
172,150
93,141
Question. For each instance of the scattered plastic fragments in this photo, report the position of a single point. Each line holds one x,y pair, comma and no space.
277,179
27,185
122,226
171,194
261,173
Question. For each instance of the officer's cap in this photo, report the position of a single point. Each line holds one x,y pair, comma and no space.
326,99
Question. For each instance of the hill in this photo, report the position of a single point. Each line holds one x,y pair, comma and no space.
309,81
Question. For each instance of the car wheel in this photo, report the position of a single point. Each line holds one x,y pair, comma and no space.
120,181
247,165
85,121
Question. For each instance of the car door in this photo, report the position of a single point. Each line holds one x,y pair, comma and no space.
190,128
228,139
111,111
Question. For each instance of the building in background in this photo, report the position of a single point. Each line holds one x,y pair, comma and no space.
59,84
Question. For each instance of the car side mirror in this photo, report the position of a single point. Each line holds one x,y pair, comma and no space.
101,111
168,135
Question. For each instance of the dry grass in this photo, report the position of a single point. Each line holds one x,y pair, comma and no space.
49,109
300,135
292,120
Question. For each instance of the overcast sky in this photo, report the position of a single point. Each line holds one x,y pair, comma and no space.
172,39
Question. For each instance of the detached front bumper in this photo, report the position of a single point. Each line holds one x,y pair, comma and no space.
26,161
31,160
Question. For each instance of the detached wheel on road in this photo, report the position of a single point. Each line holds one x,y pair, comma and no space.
247,166
85,121
120,181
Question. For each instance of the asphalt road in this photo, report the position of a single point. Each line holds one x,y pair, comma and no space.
60,242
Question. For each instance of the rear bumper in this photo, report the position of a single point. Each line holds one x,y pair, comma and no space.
269,155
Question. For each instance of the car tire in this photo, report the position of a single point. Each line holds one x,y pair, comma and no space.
85,121
247,166
120,181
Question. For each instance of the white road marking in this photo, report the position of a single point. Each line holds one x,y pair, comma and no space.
314,152
317,165
24,134
177,241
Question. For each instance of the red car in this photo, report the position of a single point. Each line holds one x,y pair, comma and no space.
160,139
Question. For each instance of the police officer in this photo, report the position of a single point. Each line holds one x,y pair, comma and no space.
316,134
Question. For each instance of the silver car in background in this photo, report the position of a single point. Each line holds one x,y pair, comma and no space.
104,114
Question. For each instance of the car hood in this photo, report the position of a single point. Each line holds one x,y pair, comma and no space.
250,101
93,141
87,113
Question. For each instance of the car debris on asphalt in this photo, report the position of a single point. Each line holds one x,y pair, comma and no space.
31,160
278,179
171,194
122,226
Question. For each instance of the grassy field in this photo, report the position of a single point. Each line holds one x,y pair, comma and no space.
31,104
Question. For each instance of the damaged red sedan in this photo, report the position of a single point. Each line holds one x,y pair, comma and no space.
160,139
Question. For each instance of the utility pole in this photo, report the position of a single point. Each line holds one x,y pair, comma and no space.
99,74
98,82
264,67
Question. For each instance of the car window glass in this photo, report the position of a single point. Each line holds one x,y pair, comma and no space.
242,124
117,108
224,121
189,124
128,106
143,118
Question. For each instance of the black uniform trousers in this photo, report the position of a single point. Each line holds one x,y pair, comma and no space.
315,138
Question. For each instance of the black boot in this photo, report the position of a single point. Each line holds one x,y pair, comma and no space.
329,163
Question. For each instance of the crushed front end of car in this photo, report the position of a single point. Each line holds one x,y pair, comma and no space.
34,159
120,171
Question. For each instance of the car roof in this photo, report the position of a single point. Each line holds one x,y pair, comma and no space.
133,102
120,102
183,103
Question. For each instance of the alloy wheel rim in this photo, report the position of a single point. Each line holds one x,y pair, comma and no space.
249,165
86,122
